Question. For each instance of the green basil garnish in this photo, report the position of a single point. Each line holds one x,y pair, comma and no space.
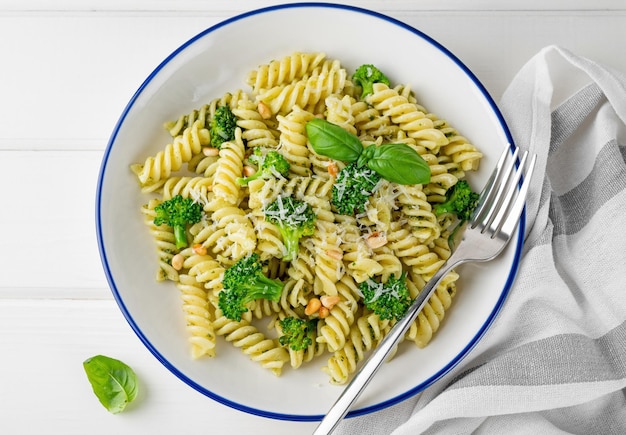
366,155
113,382
330,140
399,163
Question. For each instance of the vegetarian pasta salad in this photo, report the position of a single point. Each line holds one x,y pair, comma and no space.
300,217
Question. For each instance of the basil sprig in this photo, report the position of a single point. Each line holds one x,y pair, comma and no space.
113,382
395,162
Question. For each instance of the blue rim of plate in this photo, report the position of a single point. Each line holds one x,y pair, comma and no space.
292,417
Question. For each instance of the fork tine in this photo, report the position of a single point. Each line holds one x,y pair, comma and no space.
508,223
502,187
507,191
492,191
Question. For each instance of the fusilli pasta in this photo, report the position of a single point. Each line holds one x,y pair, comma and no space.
397,234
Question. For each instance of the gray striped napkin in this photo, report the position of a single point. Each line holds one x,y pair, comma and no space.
554,361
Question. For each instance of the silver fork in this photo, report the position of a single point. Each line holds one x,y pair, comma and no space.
484,237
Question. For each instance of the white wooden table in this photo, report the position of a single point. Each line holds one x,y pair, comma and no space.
68,69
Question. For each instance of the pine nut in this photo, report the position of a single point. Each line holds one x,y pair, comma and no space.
199,249
333,170
264,110
324,312
312,306
210,151
177,261
248,170
329,301
376,240
335,254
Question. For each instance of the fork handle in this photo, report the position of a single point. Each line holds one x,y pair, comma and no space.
363,376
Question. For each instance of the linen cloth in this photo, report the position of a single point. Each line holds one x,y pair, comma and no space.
554,361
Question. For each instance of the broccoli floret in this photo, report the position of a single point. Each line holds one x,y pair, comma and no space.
245,282
460,200
365,76
178,213
270,165
222,127
297,334
294,219
389,300
353,187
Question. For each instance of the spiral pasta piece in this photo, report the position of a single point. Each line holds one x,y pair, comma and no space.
441,246
303,266
463,153
204,165
321,202
349,292
164,240
365,334
416,256
299,357
308,93
370,122
262,192
200,116
171,159
265,351
230,237
206,270
407,116
418,212
321,166
309,189
391,265
295,295
293,140
269,239
284,71
197,317
262,308
379,212
329,267
429,319
441,180
255,131
230,167
339,111
336,327
197,188
316,191
357,256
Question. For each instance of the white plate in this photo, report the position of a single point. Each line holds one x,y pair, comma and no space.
217,60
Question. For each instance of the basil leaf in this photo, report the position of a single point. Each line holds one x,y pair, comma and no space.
112,381
330,140
399,163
